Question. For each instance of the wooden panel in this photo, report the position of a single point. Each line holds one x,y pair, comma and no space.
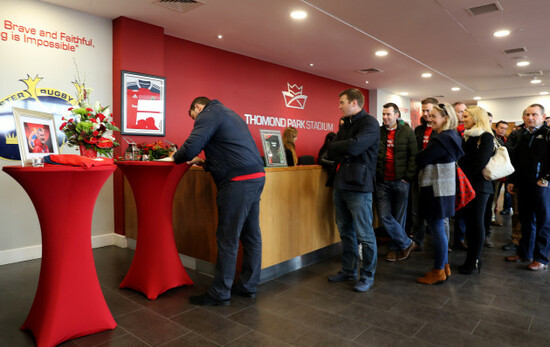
296,214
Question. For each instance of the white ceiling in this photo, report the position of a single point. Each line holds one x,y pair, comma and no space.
340,37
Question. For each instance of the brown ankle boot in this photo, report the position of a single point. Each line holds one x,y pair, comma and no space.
433,277
447,271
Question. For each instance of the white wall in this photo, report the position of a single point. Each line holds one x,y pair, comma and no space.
19,229
511,109
379,97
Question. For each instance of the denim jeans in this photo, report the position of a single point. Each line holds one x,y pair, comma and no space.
238,219
354,220
437,228
534,207
392,198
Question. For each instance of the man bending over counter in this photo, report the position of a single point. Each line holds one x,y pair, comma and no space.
237,168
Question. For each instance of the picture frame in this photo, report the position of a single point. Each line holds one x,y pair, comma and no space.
143,106
36,135
274,150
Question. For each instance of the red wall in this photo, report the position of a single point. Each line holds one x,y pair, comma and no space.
244,84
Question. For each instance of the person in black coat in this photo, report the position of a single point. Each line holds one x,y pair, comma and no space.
478,146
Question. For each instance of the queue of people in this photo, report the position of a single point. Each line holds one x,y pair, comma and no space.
388,164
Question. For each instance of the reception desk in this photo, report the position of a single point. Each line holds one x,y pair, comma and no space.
296,214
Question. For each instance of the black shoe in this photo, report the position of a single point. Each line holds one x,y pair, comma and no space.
207,300
243,293
510,247
468,269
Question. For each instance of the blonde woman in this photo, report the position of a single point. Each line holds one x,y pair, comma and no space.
478,147
289,138
437,180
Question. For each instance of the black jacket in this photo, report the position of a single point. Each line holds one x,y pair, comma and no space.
477,152
354,150
228,145
530,157
404,152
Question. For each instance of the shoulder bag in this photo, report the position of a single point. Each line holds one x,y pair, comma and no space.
464,190
499,165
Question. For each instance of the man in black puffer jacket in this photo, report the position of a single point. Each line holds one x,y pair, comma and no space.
354,151
395,170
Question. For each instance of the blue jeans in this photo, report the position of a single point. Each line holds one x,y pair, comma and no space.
534,216
437,228
392,198
354,220
238,219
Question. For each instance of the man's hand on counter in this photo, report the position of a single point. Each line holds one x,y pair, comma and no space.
196,161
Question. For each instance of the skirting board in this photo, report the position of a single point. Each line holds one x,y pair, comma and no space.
35,252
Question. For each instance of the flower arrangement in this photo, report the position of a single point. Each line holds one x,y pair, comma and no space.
91,127
156,150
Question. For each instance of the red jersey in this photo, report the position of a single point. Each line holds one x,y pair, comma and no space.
389,170
427,134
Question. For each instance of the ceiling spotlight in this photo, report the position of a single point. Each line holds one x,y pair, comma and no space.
381,53
220,36
523,63
544,93
311,65
501,33
298,14
455,89
535,81
477,97
426,75
404,93
367,82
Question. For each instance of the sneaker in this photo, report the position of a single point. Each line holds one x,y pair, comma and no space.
341,277
391,256
510,247
363,284
404,254
537,266
207,300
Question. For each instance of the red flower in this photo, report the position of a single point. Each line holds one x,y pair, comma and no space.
104,143
62,126
95,133
89,110
71,108
93,120
101,116
91,140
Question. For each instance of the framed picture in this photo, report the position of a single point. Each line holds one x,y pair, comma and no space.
274,151
143,104
36,134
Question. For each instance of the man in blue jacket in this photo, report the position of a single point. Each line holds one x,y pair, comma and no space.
354,151
238,171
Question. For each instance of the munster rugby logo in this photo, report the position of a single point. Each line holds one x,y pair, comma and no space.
294,97
34,98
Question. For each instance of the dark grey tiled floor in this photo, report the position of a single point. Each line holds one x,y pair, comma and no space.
505,305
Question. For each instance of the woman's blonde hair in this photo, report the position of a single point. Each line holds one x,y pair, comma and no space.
289,135
446,110
480,117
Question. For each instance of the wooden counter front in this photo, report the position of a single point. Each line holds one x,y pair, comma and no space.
296,214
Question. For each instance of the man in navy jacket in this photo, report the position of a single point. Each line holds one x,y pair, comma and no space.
237,169
354,151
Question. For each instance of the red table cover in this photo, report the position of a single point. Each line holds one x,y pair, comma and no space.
68,301
156,266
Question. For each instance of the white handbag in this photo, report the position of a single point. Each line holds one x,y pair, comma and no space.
499,165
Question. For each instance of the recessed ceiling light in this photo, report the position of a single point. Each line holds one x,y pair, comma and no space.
381,53
426,75
404,93
311,64
535,81
501,33
298,14
477,97
544,93
220,36
523,63
455,89
367,82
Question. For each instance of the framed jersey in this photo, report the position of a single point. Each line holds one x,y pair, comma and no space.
143,104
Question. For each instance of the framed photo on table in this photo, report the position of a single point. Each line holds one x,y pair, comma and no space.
274,151
143,104
36,135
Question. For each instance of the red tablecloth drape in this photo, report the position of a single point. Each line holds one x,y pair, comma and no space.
68,301
156,266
